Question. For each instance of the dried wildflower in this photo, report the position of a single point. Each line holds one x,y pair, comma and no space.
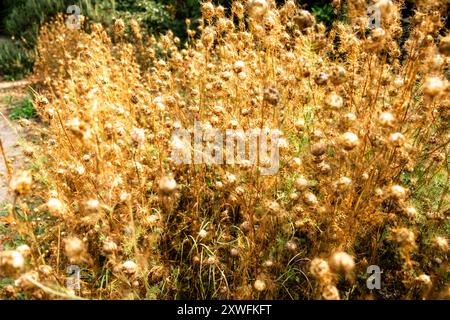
207,9
403,236
310,199
21,182
301,183
334,101
349,140
441,243
55,207
433,86
24,249
109,247
342,262
444,46
386,119
411,212
320,269
138,136
291,246
330,292
271,96
11,261
167,185
318,149
118,27
304,20
338,75
75,249
397,192
423,279
129,267
259,285
321,78
397,139
239,66
257,8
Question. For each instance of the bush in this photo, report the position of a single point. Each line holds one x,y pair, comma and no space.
16,61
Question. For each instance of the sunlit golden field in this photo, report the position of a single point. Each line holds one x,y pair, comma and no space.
363,176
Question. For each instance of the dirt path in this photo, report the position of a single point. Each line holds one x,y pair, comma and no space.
10,133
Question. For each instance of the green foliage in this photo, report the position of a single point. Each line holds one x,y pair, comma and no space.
16,61
23,109
324,13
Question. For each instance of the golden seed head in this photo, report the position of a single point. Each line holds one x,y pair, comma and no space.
441,243
433,86
386,119
167,185
397,192
330,292
349,140
301,183
55,207
11,261
342,262
74,248
319,268
109,247
397,139
129,267
21,182
259,285
318,149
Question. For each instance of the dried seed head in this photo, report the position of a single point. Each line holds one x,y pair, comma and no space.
424,280
271,96
441,244
397,192
342,262
239,66
11,261
330,292
259,285
24,250
334,101
138,136
129,267
411,212
403,236
304,20
319,268
55,207
74,248
386,119
291,246
349,140
203,233
257,8
301,183
397,139
338,75
21,182
318,149
109,247
207,9
167,185
433,86
444,46
310,199
321,78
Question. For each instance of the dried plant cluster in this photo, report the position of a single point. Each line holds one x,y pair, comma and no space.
363,178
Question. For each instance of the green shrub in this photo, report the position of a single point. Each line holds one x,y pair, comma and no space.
16,61
23,109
